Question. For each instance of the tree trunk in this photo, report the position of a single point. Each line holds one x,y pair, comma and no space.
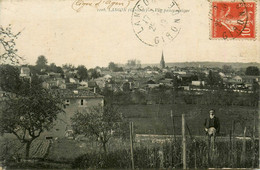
27,149
104,147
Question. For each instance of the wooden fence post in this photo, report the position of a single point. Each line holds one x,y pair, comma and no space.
253,143
173,158
243,155
230,148
195,155
173,127
259,133
183,142
232,144
131,144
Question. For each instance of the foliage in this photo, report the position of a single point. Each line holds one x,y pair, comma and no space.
252,71
114,67
202,76
36,165
138,97
214,79
94,73
7,40
53,68
97,122
156,154
108,95
227,69
133,63
69,67
168,155
160,95
41,62
30,112
118,159
168,75
9,78
82,73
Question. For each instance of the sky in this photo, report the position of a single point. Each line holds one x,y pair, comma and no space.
93,38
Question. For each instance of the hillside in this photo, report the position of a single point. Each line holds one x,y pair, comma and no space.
234,65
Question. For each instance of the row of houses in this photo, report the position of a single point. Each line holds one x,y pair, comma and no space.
142,79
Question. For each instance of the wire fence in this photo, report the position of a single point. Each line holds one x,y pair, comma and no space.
168,154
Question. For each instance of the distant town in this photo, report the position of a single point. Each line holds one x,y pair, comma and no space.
100,102
134,77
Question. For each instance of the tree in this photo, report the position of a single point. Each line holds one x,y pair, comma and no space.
112,66
227,68
202,76
52,67
255,95
175,90
138,97
94,73
9,78
148,68
214,79
168,75
68,67
30,112
56,69
98,122
133,63
118,69
82,72
252,71
41,62
109,95
8,49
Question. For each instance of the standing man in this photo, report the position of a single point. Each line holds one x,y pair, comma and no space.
212,126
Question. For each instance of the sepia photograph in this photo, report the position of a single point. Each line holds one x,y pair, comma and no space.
129,84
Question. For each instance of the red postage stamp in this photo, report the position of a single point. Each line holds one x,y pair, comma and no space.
233,20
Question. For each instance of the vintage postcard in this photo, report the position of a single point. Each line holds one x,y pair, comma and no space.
129,84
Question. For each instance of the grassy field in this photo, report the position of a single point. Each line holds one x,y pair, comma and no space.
155,119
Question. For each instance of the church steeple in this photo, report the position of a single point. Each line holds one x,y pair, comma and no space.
162,63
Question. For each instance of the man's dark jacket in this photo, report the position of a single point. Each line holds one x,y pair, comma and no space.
214,122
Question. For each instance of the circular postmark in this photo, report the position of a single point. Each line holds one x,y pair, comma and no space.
156,22
229,19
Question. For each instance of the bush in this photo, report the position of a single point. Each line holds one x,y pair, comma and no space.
118,159
36,165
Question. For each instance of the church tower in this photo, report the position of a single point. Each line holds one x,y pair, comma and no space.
162,63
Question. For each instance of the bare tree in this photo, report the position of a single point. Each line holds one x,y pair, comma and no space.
8,46
98,122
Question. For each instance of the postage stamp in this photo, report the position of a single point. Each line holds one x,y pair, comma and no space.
233,19
156,22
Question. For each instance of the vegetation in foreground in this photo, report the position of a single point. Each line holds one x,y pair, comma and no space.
147,155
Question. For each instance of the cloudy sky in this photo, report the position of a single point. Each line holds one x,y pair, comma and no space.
93,38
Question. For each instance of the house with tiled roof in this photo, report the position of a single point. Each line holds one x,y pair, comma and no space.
74,100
